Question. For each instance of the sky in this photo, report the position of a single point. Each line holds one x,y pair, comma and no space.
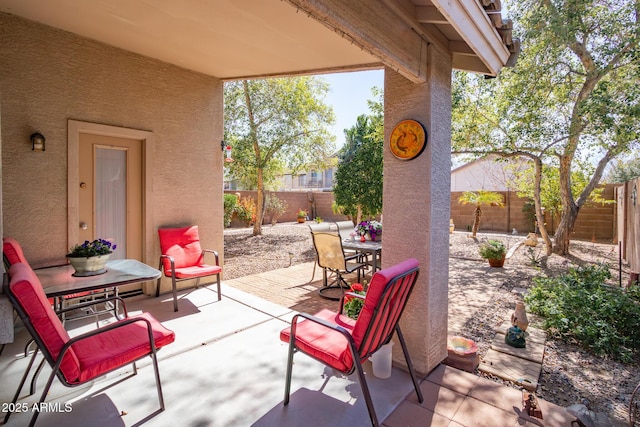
348,96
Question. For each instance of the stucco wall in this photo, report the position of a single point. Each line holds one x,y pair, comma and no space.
421,186
48,76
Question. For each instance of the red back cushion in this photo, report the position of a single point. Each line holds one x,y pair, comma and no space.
13,251
27,290
183,244
381,326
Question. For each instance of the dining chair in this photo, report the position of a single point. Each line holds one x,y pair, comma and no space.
86,357
345,344
331,258
345,228
183,259
322,226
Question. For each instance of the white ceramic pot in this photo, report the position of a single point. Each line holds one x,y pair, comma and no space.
89,266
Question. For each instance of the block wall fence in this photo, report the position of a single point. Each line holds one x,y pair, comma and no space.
595,221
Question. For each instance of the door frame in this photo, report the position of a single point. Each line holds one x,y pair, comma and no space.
147,138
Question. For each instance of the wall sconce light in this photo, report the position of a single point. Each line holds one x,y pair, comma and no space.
227,149
37,141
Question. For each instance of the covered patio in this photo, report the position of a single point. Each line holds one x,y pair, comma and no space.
227,368
150,76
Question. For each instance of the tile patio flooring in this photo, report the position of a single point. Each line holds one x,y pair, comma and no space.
227,367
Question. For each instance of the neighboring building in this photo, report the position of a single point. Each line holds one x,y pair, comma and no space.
310,180
487,173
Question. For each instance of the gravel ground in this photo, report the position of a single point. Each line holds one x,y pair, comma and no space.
569,375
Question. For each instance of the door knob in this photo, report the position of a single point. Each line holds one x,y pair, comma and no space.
84,225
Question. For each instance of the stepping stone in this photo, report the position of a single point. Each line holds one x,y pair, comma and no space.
535,335
534,351
511,368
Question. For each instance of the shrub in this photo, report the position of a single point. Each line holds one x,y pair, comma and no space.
577,306
493,249
274,207
246,210
230,203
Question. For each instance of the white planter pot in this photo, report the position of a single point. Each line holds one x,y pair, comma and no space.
382,361
89,266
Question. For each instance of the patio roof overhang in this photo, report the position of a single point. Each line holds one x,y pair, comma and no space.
260,38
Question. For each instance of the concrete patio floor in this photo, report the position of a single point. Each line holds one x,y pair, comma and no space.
227,368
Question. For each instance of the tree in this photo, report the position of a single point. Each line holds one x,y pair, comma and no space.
275,124
623,171
573,96
358,188
478,199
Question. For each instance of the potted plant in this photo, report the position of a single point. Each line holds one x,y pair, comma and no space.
494,251
369,230
90,258
353,305
302,215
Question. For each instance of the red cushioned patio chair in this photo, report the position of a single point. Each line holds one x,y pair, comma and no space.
88,356
12,254
343,343
182,258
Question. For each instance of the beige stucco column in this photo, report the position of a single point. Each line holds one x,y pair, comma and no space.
416,205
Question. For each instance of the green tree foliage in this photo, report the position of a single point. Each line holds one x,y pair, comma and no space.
572,97
230,203
550,187
358,188
623,171
275,124
479,199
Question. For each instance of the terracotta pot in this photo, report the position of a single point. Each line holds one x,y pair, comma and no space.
496,262
301,220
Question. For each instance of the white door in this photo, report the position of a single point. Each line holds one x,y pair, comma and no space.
110,194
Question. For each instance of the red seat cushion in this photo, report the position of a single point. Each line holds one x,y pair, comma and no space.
90,357
378,284
325,344
197,271
13,251
111,349
28,291
183,244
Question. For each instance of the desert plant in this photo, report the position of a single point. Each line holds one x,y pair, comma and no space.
246,210
478,199
493,249
274,207
301,213
230,203
578,306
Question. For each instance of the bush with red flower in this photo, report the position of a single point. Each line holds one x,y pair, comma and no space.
353,305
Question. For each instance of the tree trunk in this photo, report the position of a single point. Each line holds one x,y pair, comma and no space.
563,233
538,205
476,221
257,225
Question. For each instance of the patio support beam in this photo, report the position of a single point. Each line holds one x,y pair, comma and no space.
416,197
375,27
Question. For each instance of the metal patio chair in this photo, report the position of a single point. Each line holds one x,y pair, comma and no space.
331,258
183,259
343,343
83,358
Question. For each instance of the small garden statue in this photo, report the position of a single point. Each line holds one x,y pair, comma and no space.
515,337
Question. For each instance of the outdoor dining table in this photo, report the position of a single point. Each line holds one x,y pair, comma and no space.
59,282
369,247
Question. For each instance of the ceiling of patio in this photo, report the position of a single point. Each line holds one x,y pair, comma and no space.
226,38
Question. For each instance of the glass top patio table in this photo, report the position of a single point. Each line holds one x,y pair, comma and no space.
368,246
58,281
